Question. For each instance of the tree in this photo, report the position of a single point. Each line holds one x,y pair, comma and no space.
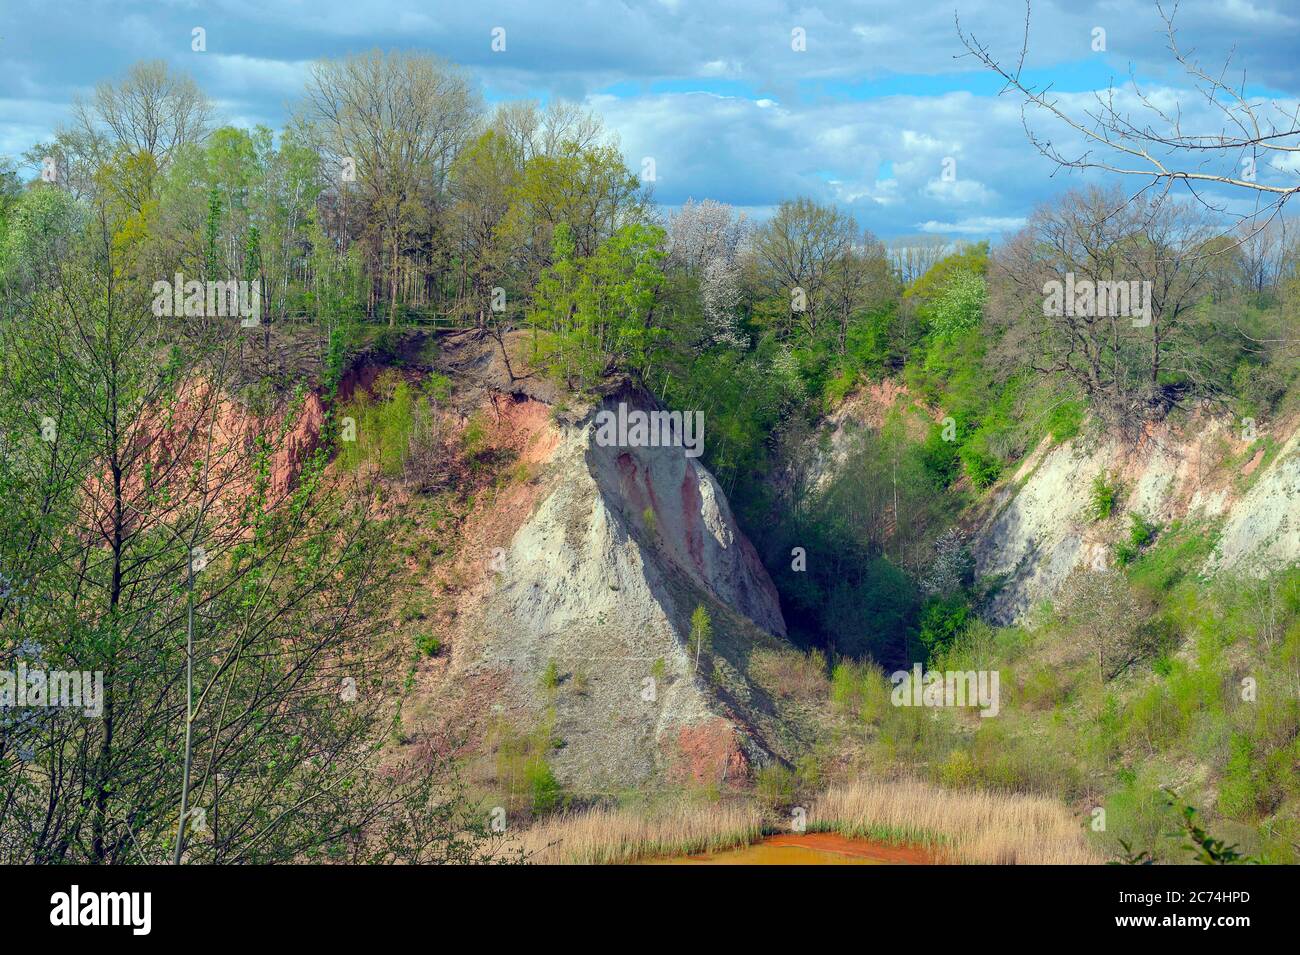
913,255
397,121
705,243
588,189
597,312
1109,621
797,250
1132,133
164,537
152,111
701,634
1128,339
703,232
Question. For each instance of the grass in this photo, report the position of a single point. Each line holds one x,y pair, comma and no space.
611,836
960,826
963,826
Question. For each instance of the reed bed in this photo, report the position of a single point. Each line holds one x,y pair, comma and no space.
957,826
960,826
611,836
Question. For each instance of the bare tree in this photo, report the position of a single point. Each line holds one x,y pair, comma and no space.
1129,133
1126,277
536,131
395,122
153,110
914,255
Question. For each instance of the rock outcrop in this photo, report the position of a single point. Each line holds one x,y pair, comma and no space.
1035,530
585,613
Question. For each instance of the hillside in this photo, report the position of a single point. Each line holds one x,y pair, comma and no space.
565,595
1141,604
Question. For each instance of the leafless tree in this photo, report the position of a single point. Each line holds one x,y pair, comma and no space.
1126,131
1147,251
153,110
913,255
396,121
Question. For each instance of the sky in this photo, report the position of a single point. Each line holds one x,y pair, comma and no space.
878,113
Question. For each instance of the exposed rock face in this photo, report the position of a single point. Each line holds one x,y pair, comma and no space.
196,446
601,580
1263,529
1036,529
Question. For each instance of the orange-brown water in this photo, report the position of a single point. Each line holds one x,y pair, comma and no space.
810,848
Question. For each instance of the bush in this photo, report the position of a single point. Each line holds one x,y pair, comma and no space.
943,619
1142,531
942,459
1065,420
776,786
1102,497
541,782
550,676
981,467
428,644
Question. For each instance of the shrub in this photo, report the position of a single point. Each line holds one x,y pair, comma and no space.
541,782
958,769
701,635
1102,497
776,786
551,675
942,620
474,438
838,388
1065,420
981,467
428,644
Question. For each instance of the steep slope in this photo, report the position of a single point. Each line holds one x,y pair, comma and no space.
1238,488
576,583
1036,529
597,587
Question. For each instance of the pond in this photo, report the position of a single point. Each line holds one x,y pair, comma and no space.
809,848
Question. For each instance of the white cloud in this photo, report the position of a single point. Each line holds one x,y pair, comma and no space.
978,225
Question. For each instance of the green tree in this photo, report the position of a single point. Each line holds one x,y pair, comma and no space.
700,637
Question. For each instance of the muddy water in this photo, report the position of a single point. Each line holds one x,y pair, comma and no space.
811,848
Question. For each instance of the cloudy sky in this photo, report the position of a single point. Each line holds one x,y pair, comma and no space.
865,116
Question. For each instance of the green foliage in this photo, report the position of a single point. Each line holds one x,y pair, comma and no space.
593,314
981,467
543,786
1206,849
1065,420
957,306
700,637
551,675
941,457
1101,497
943,620
777,786
1141,533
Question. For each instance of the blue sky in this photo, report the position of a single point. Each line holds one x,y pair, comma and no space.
865,117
